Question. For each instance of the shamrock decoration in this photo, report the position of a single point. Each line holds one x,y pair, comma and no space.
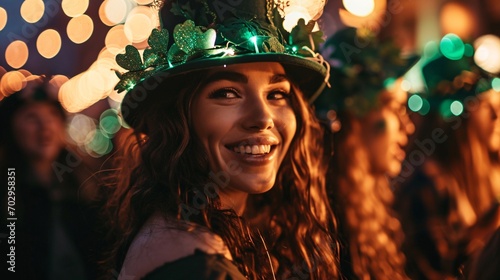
140,69
189,40
299,36
156,54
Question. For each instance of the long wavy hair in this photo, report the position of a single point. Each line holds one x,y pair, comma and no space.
167,168
370,233
463,159
457,194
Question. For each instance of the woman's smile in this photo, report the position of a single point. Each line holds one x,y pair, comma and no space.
244,118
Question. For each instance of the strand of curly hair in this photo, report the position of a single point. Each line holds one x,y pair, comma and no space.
369,230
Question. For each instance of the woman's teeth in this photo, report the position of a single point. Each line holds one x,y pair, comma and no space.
254,149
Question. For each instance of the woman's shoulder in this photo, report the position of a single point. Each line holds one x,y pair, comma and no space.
199,266
162,241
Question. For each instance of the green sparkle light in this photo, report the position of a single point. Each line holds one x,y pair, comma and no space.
495,84
294,49
456,108
452,47
415,103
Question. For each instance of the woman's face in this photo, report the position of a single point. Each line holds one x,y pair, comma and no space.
485,120
385,132
39,131
245,122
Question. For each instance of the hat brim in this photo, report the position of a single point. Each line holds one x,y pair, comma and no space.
308,75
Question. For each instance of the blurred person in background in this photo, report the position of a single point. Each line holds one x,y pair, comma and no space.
367,131
55,226
446,197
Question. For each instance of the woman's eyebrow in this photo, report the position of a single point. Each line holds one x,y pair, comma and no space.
278,78
227,75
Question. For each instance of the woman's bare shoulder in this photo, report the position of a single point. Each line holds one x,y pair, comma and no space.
161,241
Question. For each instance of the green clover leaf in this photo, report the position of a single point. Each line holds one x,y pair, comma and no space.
299,36
130,60
157,52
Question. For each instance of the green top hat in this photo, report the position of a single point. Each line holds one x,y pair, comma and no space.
361,67
201,34
450,79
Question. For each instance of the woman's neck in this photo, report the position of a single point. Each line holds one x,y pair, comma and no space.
232,199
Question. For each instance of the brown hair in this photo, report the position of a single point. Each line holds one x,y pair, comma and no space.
362,201
169,159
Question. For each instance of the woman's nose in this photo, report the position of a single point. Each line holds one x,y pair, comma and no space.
407,125
260,115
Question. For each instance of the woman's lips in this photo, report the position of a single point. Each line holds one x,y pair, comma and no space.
256,155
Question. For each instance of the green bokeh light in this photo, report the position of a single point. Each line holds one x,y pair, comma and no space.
456,108
101,144
495,84
445,108
431,49
389,82
426,107
415,103
468,50
452,47
110,122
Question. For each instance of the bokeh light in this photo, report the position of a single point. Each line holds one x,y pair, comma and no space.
12,82
81,129
431,49
415,103
3,18
32,10
100,144
74,8
452,46
49,43
115,11
495,84
458,19
293,14
487,54
109,122
116,40
56,83
139,24
406,85
143,2
456,108
80,29
468,50
426,107
360,8
16,54
445,108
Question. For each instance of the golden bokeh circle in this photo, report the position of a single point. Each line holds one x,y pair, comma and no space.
49,43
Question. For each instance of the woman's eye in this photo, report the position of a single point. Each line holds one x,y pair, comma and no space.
277,95
224,93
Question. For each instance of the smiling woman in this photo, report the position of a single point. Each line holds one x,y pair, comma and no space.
366,112
223,131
